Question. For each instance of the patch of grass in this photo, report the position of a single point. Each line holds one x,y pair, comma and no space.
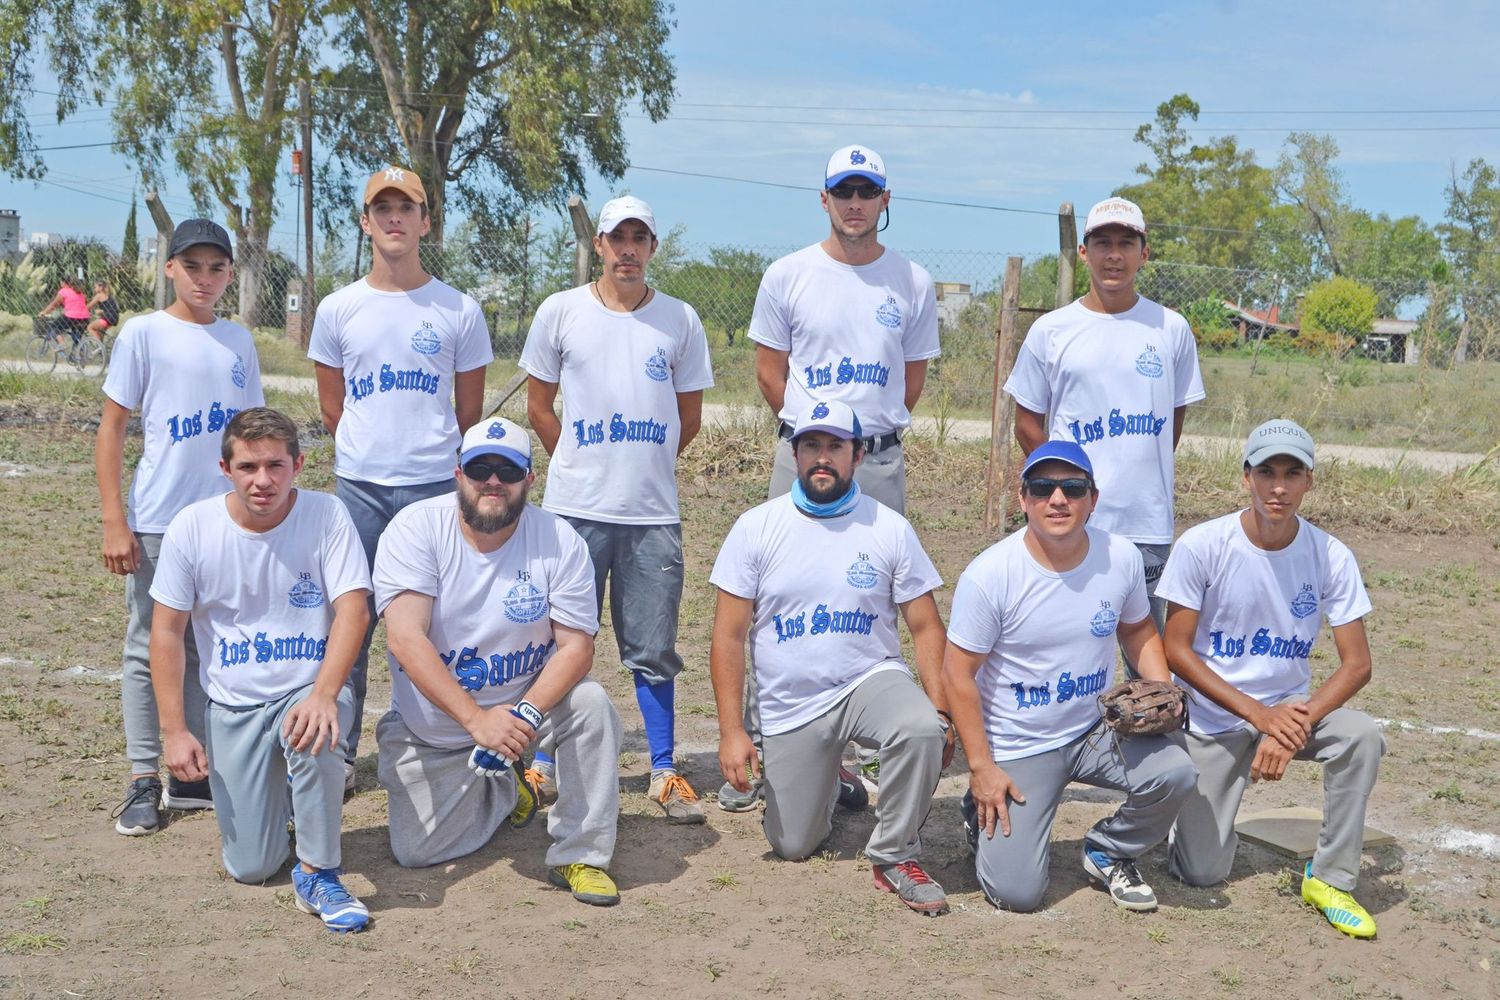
1157,935
31,943
723,880
37,906
1230,979
1451,792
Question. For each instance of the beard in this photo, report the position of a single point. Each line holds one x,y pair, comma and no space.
839,487
488,524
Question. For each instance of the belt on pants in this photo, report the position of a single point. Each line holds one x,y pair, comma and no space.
879,442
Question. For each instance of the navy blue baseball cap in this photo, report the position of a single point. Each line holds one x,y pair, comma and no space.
1059,451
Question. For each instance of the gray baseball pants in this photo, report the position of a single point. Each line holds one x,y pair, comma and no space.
259,783
441,810
1346,742
137,697
643,563
886,711
1154,772
1155,559
882,475
371,507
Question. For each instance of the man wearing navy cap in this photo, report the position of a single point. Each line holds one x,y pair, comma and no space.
814,580
1031,643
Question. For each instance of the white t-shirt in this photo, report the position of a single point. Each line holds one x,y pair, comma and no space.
187,380
616,460
399,352
825,593
492,613
1258,611
261,602
850,330
1048,638
1110,382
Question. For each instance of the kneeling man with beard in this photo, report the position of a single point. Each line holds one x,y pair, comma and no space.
490,620
813,579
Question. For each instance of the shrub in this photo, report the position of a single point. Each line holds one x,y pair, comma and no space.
1220,340
1341,306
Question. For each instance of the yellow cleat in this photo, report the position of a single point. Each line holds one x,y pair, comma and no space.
1342,910
528,801
588,884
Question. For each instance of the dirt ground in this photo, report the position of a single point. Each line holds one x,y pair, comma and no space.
705,910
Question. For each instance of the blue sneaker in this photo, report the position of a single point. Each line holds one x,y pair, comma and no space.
322,893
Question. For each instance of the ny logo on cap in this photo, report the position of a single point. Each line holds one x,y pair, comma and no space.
820,411
856,157
395,174
496,431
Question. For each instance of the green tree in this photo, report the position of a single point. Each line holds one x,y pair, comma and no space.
1470,234
510,103
1307,179
1339,305
128,291
722,289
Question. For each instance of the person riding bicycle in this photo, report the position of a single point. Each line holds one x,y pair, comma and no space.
109,311
75,310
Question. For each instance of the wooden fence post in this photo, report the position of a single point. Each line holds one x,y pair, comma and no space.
583,232
999,489
1067,252
309,296
163,220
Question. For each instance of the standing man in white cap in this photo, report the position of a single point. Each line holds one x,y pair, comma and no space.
1114,372
632,363
1246,593
489,608
814,581
399,358
851,320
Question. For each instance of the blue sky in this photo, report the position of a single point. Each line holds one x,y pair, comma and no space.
766,92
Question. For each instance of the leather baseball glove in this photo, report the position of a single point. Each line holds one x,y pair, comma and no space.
1143,708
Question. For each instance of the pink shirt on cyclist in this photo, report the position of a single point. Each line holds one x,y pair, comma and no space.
75,304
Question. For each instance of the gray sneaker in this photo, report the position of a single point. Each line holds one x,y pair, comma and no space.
913,887
733,800
676,797
139,814
1120,878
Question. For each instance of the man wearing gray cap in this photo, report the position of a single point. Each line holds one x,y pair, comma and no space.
632,364
1245,595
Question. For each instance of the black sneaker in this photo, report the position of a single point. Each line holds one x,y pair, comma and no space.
187,795
971,823
137,816
852,794
1120,877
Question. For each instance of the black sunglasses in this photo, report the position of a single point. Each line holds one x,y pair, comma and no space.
480,471
866,192
1073,489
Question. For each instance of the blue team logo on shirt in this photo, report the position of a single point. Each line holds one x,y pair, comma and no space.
524,603
861,574
1149,363
1104,620
237,373
425,340
305,593
656,366
1305,603
889,314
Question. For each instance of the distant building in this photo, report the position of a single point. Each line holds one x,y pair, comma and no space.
953,297
10,235
39,240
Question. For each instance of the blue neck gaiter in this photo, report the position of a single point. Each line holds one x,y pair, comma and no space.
833,508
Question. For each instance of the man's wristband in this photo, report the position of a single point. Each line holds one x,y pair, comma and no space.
528,713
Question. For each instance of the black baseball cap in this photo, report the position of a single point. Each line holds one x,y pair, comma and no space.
200,232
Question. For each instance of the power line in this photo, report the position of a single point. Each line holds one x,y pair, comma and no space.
1083,111
1064,128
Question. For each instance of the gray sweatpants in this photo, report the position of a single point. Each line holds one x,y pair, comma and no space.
259,782
1154,772
137,698
643,563
886,711
371,507
1346,742
881,475
1155,559
441,810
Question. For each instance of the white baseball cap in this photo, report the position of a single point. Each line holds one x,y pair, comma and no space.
497,436
618,210
855,161
829,416
1115,212
1279,437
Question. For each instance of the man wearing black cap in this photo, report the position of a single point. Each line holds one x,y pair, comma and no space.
187,371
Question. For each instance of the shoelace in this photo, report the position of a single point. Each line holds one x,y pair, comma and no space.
677,783
914,872
535,779
1125,871
327,887
585,878
137,792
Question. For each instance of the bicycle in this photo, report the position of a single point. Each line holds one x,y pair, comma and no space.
86,356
